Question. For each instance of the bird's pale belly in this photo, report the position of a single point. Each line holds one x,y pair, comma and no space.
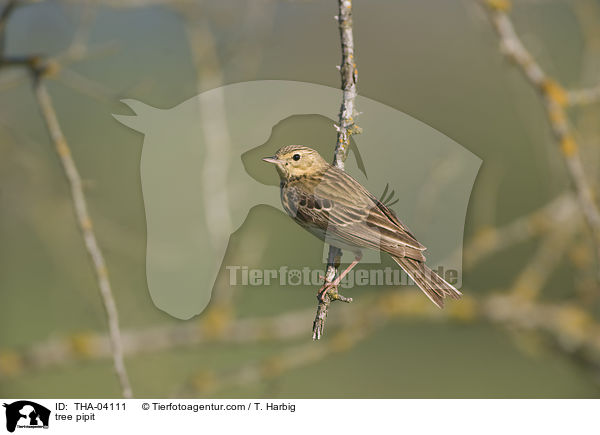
330,238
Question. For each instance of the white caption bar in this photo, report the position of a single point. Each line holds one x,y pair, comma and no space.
271,416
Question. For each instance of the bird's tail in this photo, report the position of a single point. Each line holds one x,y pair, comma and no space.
430,282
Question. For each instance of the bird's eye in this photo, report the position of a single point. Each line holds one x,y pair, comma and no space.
296,157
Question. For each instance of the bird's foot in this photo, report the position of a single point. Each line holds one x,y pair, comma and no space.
328,288
329,292
325,290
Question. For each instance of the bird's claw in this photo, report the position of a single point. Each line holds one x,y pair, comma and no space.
324,290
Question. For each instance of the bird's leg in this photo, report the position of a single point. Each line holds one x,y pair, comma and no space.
336,282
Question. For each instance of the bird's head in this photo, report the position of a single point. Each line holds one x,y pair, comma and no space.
297,161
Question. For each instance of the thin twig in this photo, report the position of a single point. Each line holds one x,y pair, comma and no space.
556,99
85,225
349,74
345,129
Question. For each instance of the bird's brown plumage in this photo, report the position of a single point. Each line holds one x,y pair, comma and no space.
338,209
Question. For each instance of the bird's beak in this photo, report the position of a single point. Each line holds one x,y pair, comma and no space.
271,159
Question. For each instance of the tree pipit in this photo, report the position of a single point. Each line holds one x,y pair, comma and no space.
335,207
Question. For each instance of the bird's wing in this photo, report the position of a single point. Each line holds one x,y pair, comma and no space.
341,206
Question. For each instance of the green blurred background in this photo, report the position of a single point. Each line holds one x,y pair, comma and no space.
436,60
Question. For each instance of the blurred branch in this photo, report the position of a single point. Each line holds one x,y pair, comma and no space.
5,14
570,327
12,79
215,129
40,69
86,86
587,13
78,48
85,225
584,96
208,381
215,325
556,99
558,214
345,129
542,264
567,327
